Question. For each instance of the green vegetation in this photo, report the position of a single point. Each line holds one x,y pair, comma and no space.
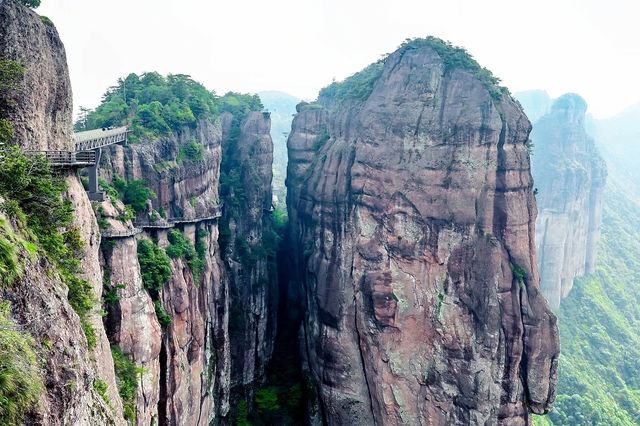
163,317
48,22
30,3
152,105
34,200
155,266
11,73
357,87
599,321
133,193
101,387
242,413
20,380
518,273
127,374
191,151
180,247
267,400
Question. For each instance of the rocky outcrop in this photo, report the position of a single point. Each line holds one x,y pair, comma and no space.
569,175
186,364
412,210
250,248
41,116
40,110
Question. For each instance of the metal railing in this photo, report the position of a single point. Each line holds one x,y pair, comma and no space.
94,139
171,222
67,158
130,232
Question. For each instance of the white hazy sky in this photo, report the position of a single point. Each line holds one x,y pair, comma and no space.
591,47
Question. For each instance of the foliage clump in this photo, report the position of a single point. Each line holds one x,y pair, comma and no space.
155,266
20,380
133,193
152,105
127,373
180,247
34,199
356,87
163,317
30,3
191,151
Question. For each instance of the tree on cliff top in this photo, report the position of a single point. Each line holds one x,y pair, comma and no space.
30,3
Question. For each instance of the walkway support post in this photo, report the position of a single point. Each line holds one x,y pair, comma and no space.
94,190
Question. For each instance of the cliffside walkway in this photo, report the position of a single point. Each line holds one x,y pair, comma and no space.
172,222
140,225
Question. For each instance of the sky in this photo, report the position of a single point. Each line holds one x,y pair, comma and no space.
590,47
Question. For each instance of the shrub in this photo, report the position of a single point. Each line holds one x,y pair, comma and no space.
134,193
193,151
127,373
163,317
101,387
267,400
20,380
30,3
155,266
36,197
180,247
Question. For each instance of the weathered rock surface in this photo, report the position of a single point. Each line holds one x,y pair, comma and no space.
41,115
186,365
410,207
570,177
40,110
250,249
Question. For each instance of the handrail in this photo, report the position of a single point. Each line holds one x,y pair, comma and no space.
129,232
98,138
169,223
67,158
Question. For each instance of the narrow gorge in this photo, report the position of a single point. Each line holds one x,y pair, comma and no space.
403,289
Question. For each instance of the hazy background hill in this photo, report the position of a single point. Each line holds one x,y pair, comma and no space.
282,107
599,321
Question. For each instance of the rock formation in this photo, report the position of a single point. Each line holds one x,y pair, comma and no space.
250,243
569,175
411,203
40,112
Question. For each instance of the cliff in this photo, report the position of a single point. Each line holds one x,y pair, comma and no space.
249,247
59,273
185,360
569,175
412,210
41,118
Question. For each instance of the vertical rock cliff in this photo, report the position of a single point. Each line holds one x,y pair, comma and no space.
250,247
412,210
185,361
40,112
569,175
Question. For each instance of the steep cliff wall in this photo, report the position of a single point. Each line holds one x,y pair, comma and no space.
40,112
185,362
41,118
411,203
569,175
250,247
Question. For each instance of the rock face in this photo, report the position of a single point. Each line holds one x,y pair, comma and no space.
41,116
249,244
42,119
570,177
412,208
186,364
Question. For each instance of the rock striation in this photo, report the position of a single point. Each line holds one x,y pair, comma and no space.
42,119
249,247
570,176
412,214
40,112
